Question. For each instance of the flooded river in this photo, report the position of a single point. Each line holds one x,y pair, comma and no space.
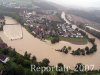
46,50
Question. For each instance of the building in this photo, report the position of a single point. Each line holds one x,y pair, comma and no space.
4,58
2,22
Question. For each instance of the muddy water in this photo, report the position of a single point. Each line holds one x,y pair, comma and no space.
46,50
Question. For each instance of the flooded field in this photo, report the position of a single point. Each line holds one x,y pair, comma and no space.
12,29
46,50
13,32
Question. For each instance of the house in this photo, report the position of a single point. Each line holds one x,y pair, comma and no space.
4,58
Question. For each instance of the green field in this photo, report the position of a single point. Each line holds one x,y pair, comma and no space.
79,41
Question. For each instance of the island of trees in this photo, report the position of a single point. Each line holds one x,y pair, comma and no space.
79,51
86,50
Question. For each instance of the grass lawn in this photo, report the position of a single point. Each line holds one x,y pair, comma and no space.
79,41
49,38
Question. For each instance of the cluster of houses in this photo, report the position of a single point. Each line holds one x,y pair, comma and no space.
67,30
42,25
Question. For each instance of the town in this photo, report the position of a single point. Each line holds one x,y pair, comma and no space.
43,25
46,34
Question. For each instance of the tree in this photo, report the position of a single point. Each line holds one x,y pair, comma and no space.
19,59
45,62
86,48
9,69
12,53
19,70
92,40
34,59
83,33
83,51
94,47
64,49
3,45
27,56
46,73
28,72
60,69
88,52
27,63
14,70
77,52
55,39
69,48
5,51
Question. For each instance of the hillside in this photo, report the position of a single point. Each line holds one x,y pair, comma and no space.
93,15
30,4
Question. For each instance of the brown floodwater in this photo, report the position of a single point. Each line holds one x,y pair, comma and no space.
45,49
